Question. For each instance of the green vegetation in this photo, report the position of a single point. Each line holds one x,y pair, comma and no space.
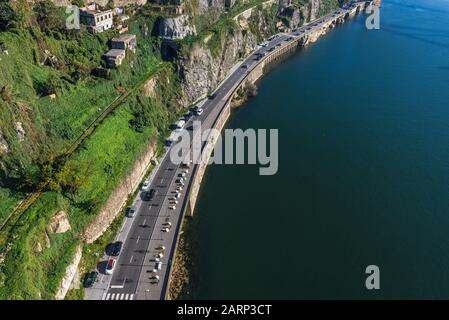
8,200
85,182
44,59
47,85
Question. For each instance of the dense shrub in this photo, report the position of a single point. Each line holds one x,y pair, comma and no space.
7,15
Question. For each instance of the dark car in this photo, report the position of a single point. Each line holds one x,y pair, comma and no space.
90,279
116,248
212,96
150,195
187,116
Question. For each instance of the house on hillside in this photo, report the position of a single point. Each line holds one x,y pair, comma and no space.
114,57
96,19
125,42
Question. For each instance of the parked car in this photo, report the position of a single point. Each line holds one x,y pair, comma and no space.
146,186
187,116
110,266
116,248
185,165
199,112
131,212
90,279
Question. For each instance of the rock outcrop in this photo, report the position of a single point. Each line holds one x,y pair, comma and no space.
69,274
291,17
315,9
59,223
42,244
3,144
202,71
176,28
149,88
20,131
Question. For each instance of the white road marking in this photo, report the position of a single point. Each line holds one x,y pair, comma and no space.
122,296
113,296
130,260
144,221
117,287
107,296
131,297
138,238
126,296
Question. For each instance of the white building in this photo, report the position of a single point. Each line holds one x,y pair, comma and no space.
97,20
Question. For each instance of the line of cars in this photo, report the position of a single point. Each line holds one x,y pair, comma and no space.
167,225
114,250
178,126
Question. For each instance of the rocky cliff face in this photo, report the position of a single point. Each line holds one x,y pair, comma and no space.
70,274
201,71
314,9
176,28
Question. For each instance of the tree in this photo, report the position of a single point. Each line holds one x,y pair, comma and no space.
78,3
7,15
142,114
48,17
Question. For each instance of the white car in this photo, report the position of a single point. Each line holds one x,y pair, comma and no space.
199,111
146,186
110,266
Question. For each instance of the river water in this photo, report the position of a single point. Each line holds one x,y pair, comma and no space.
363,119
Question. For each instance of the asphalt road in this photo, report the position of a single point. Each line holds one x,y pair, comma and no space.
134,276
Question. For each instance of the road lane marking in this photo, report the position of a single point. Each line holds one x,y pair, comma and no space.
144,221
130,260
117,287
138,238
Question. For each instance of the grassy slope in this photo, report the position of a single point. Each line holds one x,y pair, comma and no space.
101,162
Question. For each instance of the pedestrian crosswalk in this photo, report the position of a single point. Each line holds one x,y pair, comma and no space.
119,296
